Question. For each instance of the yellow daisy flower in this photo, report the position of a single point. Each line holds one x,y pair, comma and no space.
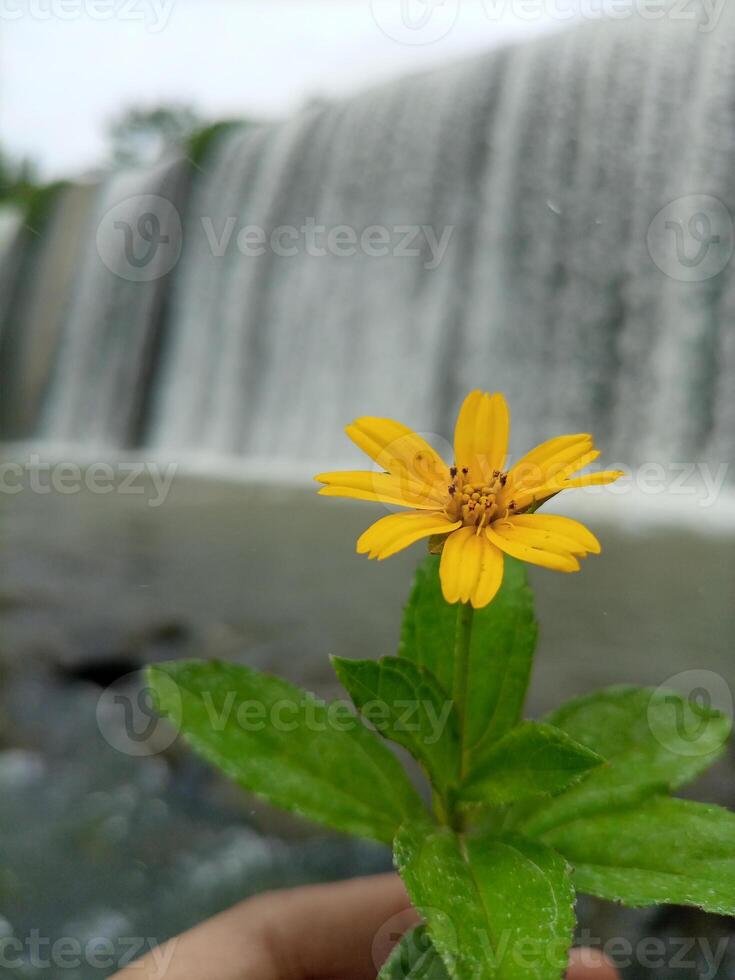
479,510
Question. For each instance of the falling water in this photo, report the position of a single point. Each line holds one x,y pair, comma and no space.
517,196
11,253
39,307
116,310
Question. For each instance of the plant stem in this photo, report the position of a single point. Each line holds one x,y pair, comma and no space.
462,638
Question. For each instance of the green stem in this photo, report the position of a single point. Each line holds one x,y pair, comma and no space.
462,639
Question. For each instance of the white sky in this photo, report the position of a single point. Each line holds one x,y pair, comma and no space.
67,66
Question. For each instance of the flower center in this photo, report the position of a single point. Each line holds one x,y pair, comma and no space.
475,504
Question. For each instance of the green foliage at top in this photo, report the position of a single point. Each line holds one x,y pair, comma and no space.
142,136
39,205
21,188
18,180
201,142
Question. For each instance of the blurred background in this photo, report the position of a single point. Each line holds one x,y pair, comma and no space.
227,229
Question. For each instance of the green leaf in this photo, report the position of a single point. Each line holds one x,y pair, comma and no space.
496,909
501,653
414,958
427,631
532,760
298,752
653,740
407,704
666,850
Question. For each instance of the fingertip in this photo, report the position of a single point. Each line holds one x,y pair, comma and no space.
590,964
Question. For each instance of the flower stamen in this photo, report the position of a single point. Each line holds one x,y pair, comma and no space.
475,504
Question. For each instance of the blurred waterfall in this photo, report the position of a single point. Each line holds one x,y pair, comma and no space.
11,259
40,305
558,223
115,311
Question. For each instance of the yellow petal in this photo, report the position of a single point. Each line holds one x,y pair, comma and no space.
453,567
501,536
548,459
397,531
491,573
398,450
481,434
599,479
471,568
471,565
560,481
562,472
464,429
381,487
545,451
541,540
562,528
